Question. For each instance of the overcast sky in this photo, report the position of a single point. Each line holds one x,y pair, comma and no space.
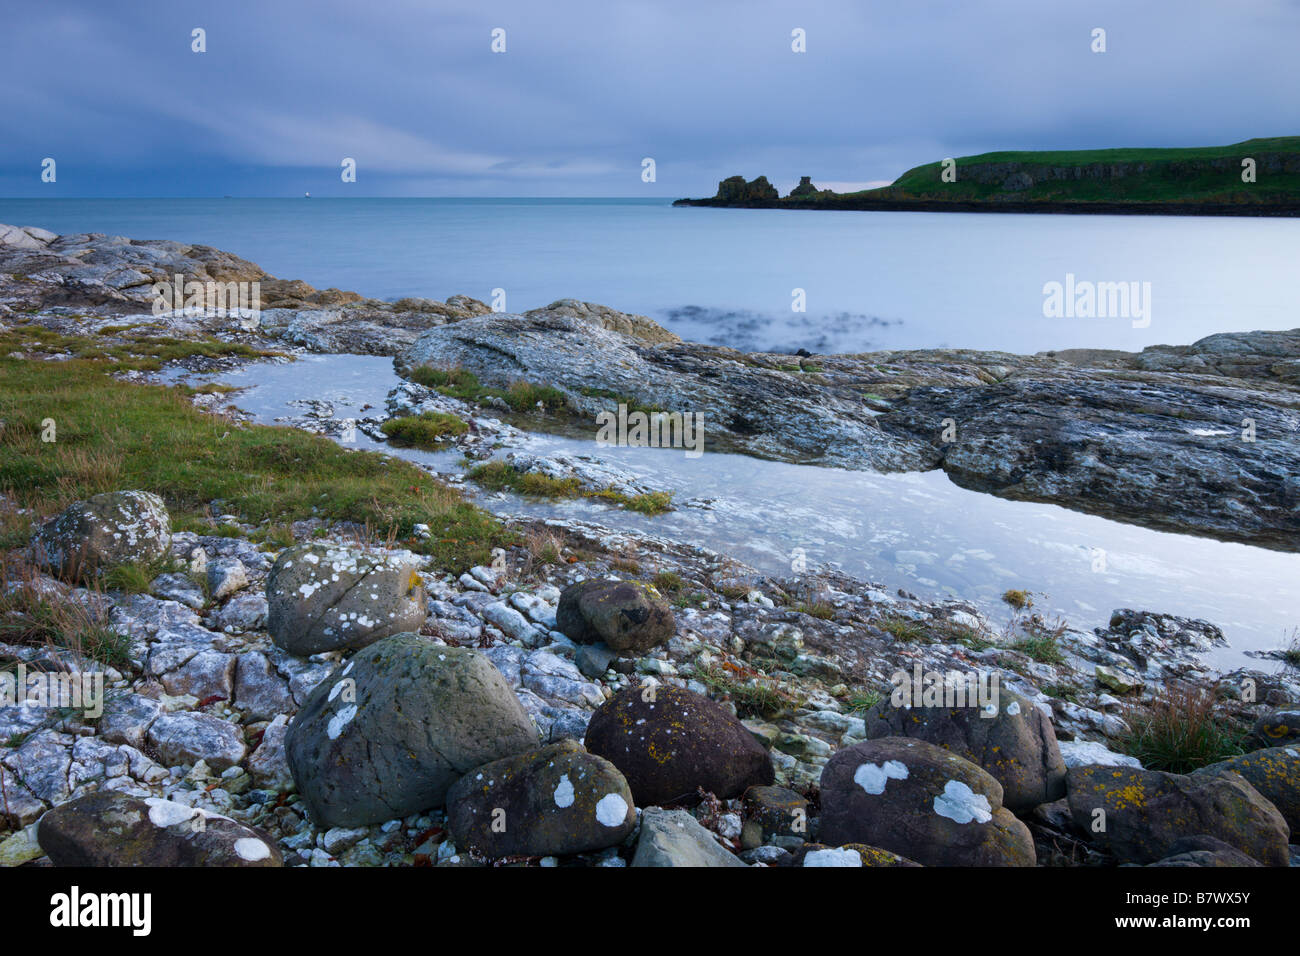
586,90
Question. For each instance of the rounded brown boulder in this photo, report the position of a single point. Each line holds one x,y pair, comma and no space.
922,802
554,801
631,617
669,742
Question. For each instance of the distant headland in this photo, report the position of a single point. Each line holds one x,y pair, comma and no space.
1258,177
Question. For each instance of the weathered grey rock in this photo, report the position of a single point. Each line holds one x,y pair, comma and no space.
259,690
183,737
113,829
207,676
178,587
269,765
922,802
593,660
392,729
675,838
225,577
243,612
1153,438
1147,811
554,801
627,616
104,531
327,597
1080,753
1016,744
127,718
670,742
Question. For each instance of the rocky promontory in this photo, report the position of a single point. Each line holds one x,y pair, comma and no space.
1258,177
1199,438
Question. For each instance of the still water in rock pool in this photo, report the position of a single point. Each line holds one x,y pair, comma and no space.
914,531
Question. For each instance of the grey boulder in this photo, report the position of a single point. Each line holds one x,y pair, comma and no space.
104,531
390,731
323,597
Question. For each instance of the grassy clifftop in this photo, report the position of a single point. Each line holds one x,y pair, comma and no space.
1205,179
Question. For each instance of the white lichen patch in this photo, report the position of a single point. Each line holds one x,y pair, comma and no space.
611,810
1013,708
564,793
165,813
835,857
873,777
251,849
340,720
961,804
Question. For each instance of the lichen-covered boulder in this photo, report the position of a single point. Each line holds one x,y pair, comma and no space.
631,617
553,801
1015,742
669,742
113,829
922,802
1274,772
1138,815
323,597
389,732
104,531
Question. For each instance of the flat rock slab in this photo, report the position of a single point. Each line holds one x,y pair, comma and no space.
672,838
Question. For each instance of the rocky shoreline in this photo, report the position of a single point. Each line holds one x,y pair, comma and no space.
614,699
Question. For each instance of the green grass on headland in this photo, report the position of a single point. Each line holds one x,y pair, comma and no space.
112,435
1197,174
1205,178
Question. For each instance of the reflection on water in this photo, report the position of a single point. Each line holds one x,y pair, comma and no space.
915,531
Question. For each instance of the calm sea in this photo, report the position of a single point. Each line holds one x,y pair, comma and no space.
869,280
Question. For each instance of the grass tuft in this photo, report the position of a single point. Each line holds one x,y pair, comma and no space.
1180,732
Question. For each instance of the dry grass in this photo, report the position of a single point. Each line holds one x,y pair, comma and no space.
1180,731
